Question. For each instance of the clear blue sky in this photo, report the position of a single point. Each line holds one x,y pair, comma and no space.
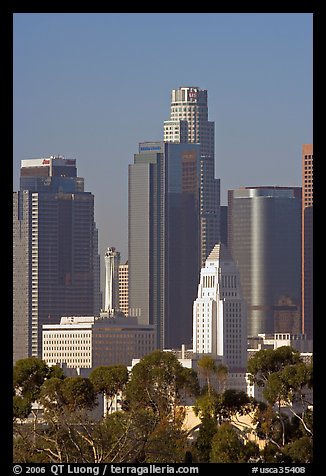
91,86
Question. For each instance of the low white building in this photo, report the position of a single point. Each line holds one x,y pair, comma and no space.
88,342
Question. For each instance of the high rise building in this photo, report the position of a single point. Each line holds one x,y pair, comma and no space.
163,238
56,267
264,239
124,288
219,312
189,123
307,240
112,263
224,224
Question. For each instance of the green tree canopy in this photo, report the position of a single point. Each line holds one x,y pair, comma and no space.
227,446
109,379
268,361
158,381
28,377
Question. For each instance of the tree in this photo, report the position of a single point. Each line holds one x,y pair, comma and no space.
267,361
203,443
285,380
109,379
227,447
299,451
287,387
207,367
159,382
28,377
72,393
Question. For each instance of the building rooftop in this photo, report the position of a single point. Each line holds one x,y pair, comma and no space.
219,252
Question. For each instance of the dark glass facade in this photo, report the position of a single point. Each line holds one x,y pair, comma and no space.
264,238
164,238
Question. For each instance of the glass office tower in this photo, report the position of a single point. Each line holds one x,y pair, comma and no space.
189,123
164,260
56,266
264,238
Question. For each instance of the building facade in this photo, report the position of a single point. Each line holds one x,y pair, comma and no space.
112,263
163,238
264,239
89,342
307,239
219,312
189,123
56,268
124,288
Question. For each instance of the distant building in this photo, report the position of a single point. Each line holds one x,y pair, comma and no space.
264,239
88,342
219,312
124,288
307,239
112,263
224,224
298,342
56,266
287,316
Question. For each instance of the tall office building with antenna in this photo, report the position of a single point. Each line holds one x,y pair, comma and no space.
189,123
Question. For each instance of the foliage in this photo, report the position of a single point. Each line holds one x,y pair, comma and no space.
229,447
28,377
150,427
299,451
203,443
267,361
159,382
109,379
207,368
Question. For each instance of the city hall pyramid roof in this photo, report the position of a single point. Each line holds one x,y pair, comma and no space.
219,252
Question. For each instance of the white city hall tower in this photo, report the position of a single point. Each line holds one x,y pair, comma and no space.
219,312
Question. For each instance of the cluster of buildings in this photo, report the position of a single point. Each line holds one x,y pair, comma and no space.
200,278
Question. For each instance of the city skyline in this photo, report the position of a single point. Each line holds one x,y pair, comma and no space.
80,86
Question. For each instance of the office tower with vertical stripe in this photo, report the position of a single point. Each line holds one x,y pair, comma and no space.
264,239
189,123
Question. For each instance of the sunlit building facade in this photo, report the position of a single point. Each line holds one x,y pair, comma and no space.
56,268
88,342
219,312
189,123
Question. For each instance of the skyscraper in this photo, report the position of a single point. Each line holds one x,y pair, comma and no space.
189,123
124,288
264,239
56,268
219,312
112,262
307,240
163,238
